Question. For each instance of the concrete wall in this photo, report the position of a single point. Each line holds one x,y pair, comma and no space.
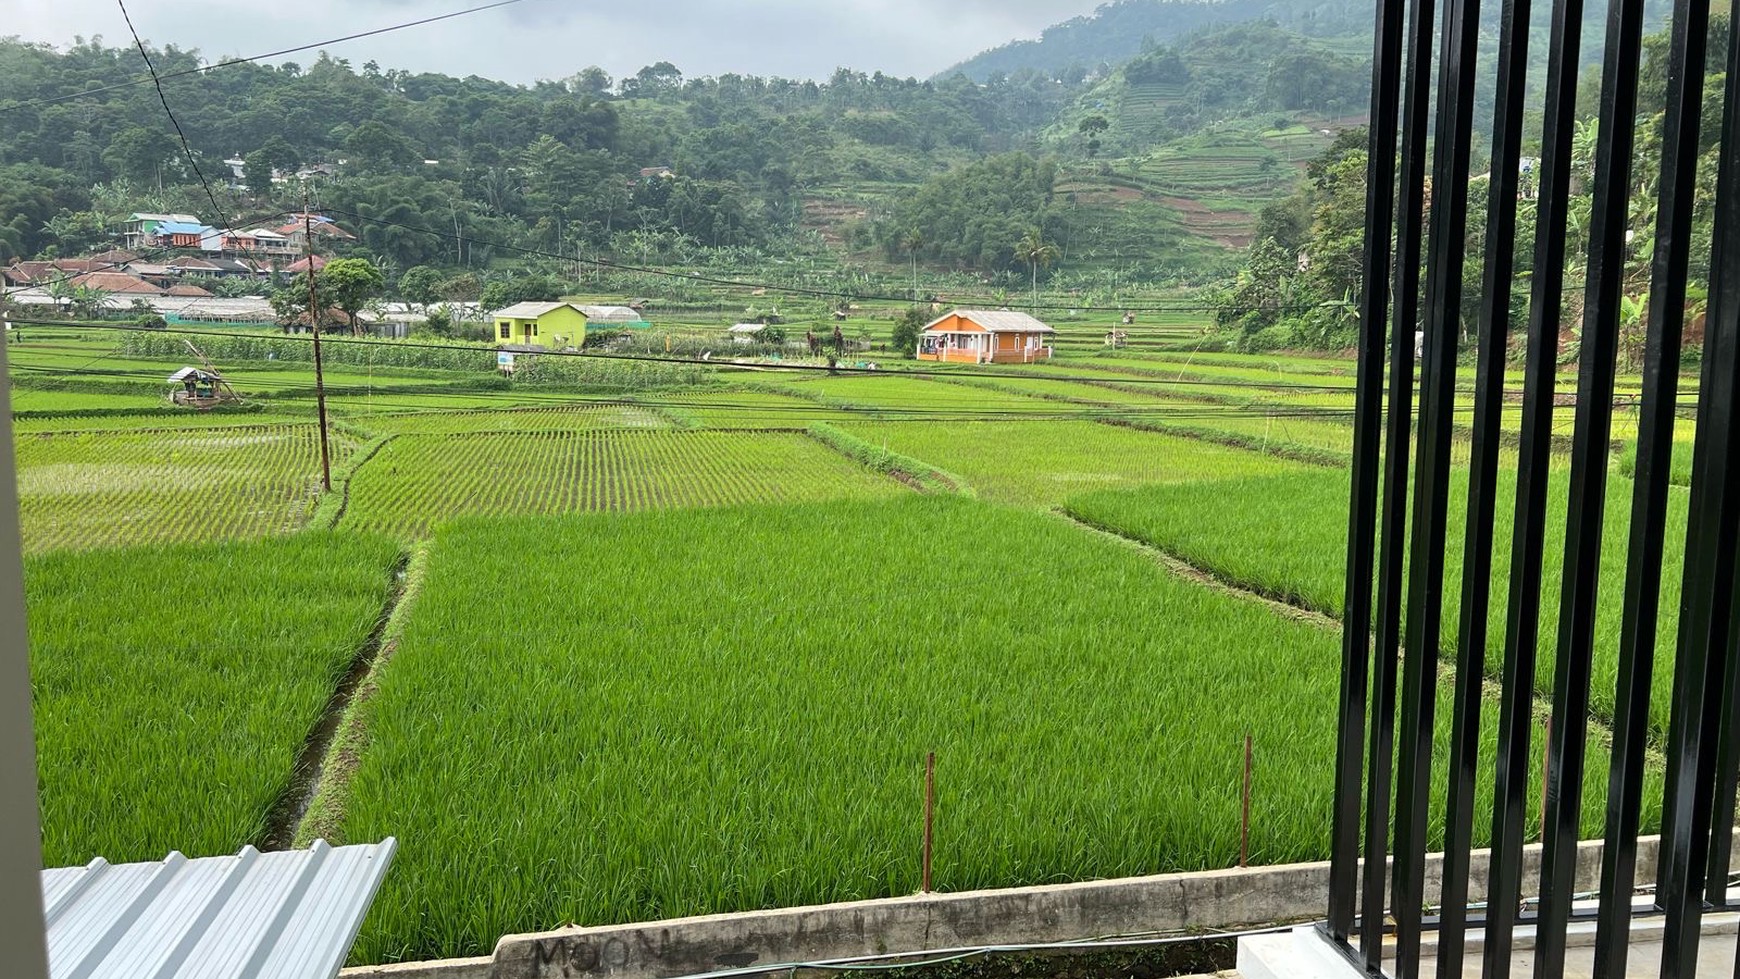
1166,903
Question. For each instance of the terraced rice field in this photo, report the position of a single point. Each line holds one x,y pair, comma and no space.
714,738
103,489
901,396
1044,462
574,418
417,481
1287,536
173,686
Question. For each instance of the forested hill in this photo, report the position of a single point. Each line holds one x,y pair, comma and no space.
556,166
1118,31
1122,29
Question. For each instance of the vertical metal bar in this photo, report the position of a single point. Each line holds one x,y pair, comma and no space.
1367,428
1707,600
1589,460
1456,66
1522,625
21,922
1499,271
1685,73
1393,520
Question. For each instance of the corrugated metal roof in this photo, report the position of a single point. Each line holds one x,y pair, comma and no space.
529,310
286,915
998,321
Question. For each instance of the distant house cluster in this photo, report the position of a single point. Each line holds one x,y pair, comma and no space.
184,231
172,263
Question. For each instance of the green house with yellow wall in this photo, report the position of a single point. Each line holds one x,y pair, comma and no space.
555,325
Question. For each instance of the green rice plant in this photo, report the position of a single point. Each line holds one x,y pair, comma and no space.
1044,462
1286,536
741,409
921,475
736,717
417,481
174,685
578,417
102,489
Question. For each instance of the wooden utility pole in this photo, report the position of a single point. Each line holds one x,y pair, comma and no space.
929,811
314,322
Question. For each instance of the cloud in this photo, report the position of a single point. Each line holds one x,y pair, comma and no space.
555,38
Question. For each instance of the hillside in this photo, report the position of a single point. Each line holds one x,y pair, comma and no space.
1123,29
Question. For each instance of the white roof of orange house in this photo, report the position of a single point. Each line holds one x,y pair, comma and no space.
994,321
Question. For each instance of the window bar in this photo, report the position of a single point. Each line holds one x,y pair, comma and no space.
1707,602
1494,326
1655,431
1456,67
1522,625
1367,460
1590,454
1394,519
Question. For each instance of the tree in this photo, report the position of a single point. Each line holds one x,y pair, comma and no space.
257,172
911,242
140,154
349,284
373,146
908,330
420,286
1091,127
1036,251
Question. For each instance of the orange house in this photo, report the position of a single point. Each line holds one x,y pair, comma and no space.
975,336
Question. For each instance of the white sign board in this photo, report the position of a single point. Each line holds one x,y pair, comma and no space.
504,361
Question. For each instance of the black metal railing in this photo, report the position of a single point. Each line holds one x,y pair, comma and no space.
1394,623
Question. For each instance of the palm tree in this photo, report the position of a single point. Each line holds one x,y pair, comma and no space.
1036,251
912,241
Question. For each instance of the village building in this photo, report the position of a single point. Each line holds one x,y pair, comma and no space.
143,226
976,336
533,324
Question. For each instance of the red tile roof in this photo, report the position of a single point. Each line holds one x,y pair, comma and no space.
117,282
188,290
301,265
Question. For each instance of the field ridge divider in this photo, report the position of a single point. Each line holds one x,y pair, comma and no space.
323,816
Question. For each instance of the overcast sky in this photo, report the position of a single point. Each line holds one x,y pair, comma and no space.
555,38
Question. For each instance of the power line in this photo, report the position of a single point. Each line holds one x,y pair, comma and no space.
51,100
185,147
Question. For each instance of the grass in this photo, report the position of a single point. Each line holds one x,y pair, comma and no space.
1286,536
1044,462
740,719
416,481
173,686
99,489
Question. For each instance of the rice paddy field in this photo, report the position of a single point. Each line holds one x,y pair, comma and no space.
734,740
1286,536
95,489
173,686
1045,462
416,481
681,649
